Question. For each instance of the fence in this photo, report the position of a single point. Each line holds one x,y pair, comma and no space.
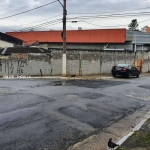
78,63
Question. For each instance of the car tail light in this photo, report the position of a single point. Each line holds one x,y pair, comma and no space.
124,69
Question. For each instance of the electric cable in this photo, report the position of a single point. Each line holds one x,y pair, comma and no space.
48,25
28,10
115,11
38,21
43,24
112,15
111,26
17,9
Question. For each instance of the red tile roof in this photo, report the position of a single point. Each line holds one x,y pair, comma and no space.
74,36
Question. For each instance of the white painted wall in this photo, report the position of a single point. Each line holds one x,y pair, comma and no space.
91,64
5,44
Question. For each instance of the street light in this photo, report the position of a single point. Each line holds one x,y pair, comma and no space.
64,60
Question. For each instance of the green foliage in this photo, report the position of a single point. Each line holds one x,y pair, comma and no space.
121,148
135,134
133,25
146,139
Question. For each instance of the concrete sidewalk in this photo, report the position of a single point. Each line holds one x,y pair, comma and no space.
92,77
76,77
139,140
119,131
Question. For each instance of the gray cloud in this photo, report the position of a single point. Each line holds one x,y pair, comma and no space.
73,6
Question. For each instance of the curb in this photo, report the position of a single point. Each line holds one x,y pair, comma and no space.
57,77
136,128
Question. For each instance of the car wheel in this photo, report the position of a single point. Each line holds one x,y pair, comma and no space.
129,75
137,75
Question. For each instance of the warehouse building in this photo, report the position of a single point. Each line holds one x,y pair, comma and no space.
85,40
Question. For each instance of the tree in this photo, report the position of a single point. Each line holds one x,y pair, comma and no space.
133,25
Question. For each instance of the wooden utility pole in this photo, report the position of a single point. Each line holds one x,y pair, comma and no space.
64,27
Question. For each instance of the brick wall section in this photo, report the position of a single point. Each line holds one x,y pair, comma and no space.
84,62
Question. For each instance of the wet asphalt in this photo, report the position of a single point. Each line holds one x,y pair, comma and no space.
46,114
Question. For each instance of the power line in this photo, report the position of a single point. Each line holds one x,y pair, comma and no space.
48,25
144,21
60,3
38,21
103,26
112,15
110,26
43,24
114,11
116,15
68,19
28,10
17,9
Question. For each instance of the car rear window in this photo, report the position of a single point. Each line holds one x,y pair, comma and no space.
122,65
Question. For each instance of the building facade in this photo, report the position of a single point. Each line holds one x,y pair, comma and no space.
76,39
92,51
146,29
87,40
9,41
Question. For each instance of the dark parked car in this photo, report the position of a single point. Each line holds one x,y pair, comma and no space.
125,70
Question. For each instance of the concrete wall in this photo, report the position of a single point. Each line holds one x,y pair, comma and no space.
78,62
146,63
102,62
94,46
4,44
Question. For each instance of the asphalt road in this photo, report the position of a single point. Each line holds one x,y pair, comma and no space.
46,114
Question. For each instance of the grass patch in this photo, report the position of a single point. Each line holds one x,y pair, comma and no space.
135,134
123,148
145,139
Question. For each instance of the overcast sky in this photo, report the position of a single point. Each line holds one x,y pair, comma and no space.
50,16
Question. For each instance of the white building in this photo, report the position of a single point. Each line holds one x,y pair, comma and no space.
9,41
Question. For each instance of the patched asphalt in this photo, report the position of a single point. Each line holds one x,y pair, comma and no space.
44,114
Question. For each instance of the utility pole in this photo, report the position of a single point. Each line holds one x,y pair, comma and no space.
64,59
